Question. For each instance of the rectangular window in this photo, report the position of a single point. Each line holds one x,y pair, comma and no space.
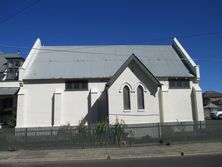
179,83
12,74
17,64
76,85
11,64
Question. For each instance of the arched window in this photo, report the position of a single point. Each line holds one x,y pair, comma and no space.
126,98
140,97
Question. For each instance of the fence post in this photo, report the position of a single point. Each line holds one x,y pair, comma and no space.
201,131
159,132
25,137
158,126
51,131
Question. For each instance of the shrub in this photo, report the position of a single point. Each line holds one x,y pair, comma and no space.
119,131
65,129
101,128
81,128
11,123
12,148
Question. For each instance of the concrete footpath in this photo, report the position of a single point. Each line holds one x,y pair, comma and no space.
109,153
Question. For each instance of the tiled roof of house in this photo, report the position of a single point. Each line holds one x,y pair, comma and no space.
4,91
12,55
3,62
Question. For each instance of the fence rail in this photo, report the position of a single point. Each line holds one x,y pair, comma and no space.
130,135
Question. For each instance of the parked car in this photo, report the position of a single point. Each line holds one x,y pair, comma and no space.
216,114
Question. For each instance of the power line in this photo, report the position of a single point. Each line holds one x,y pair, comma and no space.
200,34
189,35
48,50
126,55
154,39
18,12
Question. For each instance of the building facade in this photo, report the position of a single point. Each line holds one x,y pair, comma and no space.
134,83
9,86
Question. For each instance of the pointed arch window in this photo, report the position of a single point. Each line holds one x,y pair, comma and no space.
140,97
126,98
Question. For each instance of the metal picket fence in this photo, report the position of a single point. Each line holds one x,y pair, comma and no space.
130,135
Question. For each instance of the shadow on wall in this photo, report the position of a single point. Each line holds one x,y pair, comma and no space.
96,112
150,85
193,105
88,115
99,110
53,110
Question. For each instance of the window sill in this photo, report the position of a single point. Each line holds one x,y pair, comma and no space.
126,111
141,110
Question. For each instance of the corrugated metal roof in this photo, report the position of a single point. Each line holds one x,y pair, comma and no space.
5,91
55,62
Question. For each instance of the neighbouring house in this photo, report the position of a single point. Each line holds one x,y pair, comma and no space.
212,101
212,97
9,85
209,108
136,83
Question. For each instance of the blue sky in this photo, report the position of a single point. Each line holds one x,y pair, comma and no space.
196,23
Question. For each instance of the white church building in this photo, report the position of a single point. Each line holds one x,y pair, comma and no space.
139,84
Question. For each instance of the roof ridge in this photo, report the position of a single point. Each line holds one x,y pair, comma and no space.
114,45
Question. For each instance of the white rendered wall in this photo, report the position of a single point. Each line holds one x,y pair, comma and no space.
38,102
75,106
57,107
177,104
21,109
198,103
134,116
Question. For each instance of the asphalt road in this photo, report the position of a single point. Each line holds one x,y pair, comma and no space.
181,161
